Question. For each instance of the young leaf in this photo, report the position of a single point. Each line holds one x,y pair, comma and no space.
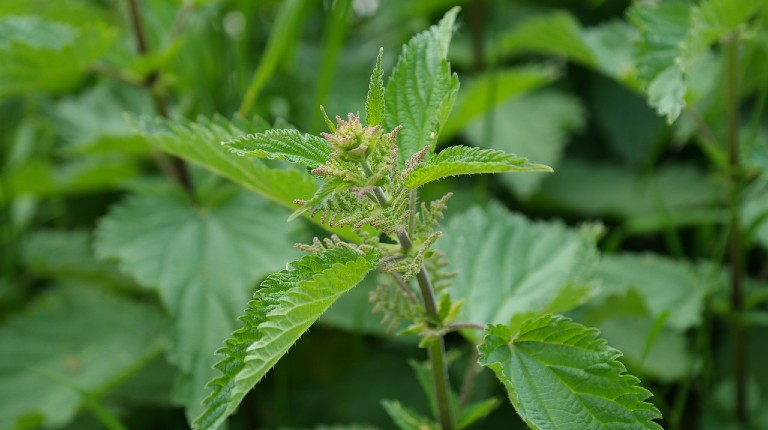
203,260
292,145
287,303
71,337
200,142
560,375
374,103
463,160
422,88
512,266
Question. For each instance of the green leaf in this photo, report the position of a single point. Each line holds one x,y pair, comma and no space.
661,353
38,54
422,88
463,160
663,27
283,308
557,33
473,412
509,266
535,125
68,254
607,48
407,419
712,20
668,286
560,375
200,142
674,195
292,145
80,176
203,261
69,342
374,103
489,90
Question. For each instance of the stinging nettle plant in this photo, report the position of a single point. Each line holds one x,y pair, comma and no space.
557,373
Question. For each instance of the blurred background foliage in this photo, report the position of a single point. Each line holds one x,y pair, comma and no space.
87,342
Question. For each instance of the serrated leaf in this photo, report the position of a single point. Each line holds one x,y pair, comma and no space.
663,27
292,145
68,340
535,125
560,375
374,102
422,88
626,323
464,160
508,265
200,142
287,303
204,262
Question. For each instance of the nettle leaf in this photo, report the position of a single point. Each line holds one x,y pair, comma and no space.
674,195
287,303
69,343
292,145
200,142
421,90
37,54
204,262
535,125
663,27
374,102
561,375
606,48
712,20
509,267
669,287
464,160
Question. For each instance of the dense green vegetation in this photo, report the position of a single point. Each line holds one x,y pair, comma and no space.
132,239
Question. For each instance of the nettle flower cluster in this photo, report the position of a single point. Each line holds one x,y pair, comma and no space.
365,189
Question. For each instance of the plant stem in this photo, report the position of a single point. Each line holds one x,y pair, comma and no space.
735,245
436,349
173,167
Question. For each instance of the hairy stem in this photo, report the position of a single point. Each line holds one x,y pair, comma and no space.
735,245
436,348
172,167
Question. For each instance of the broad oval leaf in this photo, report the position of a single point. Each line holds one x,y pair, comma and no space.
287,303
561,375
509,267
464,160
203,261
287,144
421,90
